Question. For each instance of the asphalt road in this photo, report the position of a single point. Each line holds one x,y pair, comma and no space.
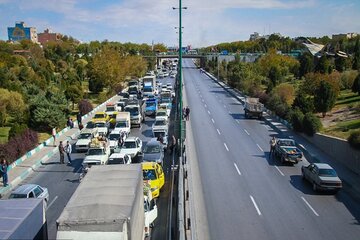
62,181
247,195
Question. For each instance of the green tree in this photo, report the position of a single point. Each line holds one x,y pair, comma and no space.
306,64
323,65
74,93
303,103
356,85
356,58
311,124
325,98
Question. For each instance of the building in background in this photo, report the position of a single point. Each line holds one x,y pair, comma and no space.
48,36
20,32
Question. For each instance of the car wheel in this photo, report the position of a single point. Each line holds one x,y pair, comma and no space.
303,175
315,187
45,204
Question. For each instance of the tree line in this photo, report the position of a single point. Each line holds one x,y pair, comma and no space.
41,85
295,89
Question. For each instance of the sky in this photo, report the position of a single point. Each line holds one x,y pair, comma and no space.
205,22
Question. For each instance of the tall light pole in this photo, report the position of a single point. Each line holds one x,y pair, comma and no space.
180,77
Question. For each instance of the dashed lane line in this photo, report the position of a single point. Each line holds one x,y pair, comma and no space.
226,147
237,121
52,202
277,168
246,132
218,131
255,205
237,169
209,112
213,120
259,147
308,204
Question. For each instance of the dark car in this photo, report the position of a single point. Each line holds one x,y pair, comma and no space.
153,152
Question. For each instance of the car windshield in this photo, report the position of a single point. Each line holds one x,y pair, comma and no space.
120,104
161,114
158,134
120,125
95,151
114,136
150,104
149,174
84,136
152,149
90,125
129,145
327,173
133,111
147,89
110,109
99,116
160,123
116,161
286,143
16,195
101,125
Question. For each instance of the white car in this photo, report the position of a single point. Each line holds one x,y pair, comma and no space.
30,191
114,138
161,114
84,138
119,158
132,146
160,124
103,128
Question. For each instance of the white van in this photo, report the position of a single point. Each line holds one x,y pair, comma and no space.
123,122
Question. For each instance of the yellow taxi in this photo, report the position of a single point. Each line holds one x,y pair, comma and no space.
154,175
100,117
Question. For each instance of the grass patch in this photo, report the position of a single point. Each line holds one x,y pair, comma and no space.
342,129
43,136
347,97
4,134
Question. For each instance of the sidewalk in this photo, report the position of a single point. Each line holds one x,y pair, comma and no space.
33,159
351,181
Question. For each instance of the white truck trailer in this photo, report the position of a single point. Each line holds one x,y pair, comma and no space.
23,219
108,204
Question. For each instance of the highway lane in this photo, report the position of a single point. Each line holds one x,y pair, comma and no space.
62,181
247,194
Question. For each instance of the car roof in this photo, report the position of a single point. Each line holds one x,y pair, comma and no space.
323,166
116,131
100,113
130,139
87,130
24,189
161,110
148,165
117,155
153,141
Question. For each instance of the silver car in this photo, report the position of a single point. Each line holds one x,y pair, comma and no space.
31,191
322,176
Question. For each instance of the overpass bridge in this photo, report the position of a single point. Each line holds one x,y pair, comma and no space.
173,55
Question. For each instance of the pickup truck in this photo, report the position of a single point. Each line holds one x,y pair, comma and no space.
98,153
151,106
132,146
287,152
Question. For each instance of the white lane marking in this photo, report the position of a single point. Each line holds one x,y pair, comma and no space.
212,120
209,112
259,147
237,121
218,131
56,197
229,112
246,132
255,205
205,105
202,100
224,106
302,146
308,204
237,169
226,147
282,174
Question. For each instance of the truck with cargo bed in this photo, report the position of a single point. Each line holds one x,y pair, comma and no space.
107,205
287,152
253,108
